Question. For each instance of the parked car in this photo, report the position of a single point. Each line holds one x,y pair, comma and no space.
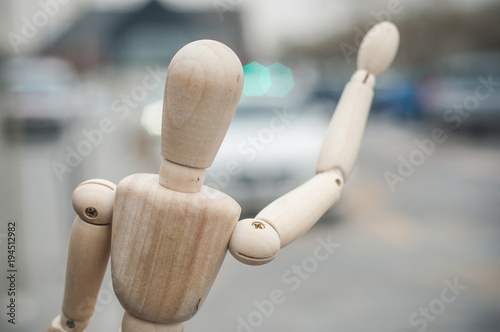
37,94
452,101
270,148
462,92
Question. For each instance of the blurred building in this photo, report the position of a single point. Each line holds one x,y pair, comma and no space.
429,30
149,34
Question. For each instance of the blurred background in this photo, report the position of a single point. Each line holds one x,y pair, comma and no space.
81,84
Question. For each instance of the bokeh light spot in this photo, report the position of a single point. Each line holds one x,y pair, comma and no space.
257,79
274,81
282,80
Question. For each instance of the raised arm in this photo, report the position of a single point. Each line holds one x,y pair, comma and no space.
88,254
257,241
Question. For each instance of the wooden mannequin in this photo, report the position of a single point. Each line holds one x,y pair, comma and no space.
169,233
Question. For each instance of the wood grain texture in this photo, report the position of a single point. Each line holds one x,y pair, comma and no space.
341,145
88,253
202,90
343,137
167,247
88,256
296,212
181,178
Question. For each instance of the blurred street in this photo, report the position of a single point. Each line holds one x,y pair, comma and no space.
412,245
396,249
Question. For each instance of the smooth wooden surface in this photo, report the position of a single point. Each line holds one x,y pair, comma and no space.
88,253
254,242
181,178
203,87
378,48
97,194
297,211
294,213
167,247
88,256
343,138
133,324
289,216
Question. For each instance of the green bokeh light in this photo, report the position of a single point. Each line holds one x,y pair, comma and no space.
257,79
282,80
274,81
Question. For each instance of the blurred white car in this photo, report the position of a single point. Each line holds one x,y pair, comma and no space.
37,93
269,150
